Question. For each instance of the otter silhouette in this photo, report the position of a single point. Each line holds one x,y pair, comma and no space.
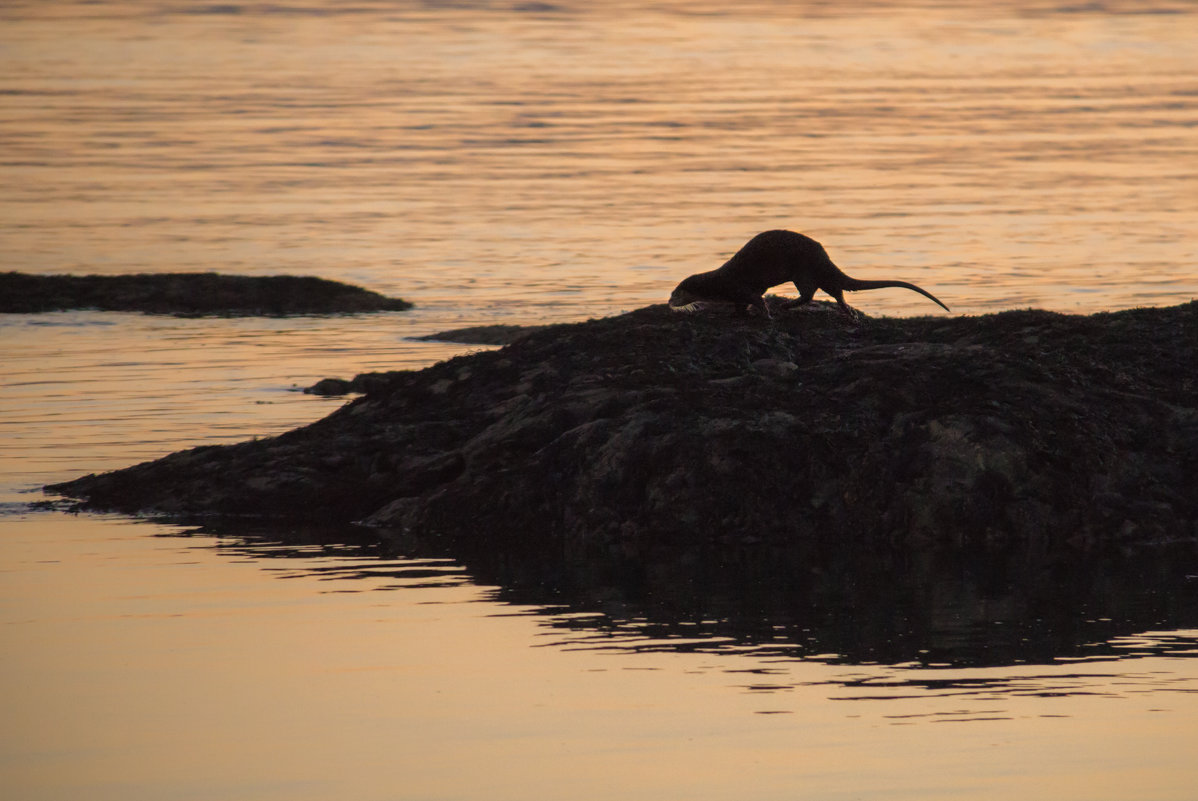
769,259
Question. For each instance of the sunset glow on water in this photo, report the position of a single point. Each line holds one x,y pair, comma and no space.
576,160
551,162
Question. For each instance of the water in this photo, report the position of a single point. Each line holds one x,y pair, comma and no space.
143,663
571,158
518,163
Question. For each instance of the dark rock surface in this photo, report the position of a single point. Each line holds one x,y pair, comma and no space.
330,386
359,384
657,431
482,334
189,294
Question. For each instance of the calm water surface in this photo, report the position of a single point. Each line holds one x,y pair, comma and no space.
508,162
559,159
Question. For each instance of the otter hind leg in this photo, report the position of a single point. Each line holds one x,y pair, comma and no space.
845,308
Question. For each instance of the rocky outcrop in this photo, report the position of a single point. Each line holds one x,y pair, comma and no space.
482,334
189,294
656,430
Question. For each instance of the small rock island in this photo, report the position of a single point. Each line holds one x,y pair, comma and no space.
189,295
655,430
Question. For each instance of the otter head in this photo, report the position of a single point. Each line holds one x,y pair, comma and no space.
686,297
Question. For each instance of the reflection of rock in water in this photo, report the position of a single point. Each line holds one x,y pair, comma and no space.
959,609
963,609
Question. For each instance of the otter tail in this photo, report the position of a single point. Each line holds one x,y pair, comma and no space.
853,285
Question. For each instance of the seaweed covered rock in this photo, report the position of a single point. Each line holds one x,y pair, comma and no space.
659,430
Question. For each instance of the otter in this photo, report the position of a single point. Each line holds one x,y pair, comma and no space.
769,259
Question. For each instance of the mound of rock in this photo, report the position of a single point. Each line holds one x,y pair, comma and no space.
189,294
661,430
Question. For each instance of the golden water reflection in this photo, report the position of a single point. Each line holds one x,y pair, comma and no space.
1005,155
159,663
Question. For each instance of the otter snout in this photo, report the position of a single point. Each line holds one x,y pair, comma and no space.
684,299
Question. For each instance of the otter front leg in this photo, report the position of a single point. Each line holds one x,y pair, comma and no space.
746,300
747,309
806,293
